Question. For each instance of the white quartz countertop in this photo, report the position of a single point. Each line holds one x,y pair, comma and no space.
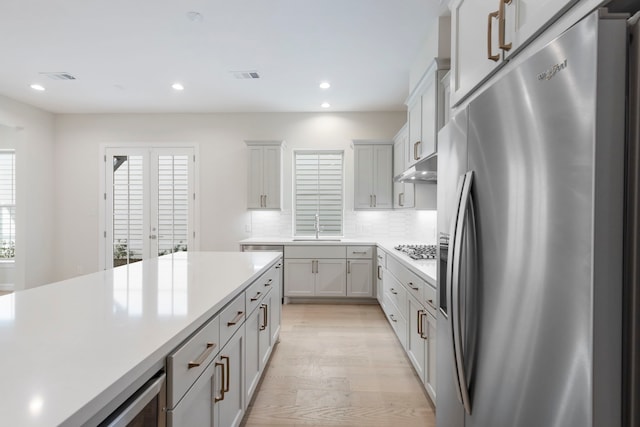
69,348
426,269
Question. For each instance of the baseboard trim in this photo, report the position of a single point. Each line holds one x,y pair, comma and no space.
336,300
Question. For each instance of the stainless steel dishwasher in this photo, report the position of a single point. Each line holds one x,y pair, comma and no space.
269,248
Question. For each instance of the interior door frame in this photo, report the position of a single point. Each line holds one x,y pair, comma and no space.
102,209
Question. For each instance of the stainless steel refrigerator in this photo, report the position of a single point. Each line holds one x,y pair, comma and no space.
532,217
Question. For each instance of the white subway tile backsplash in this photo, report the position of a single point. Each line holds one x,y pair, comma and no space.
405,225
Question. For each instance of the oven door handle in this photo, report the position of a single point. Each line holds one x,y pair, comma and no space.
152,389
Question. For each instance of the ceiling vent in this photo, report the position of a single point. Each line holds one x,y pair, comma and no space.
59,76
244,75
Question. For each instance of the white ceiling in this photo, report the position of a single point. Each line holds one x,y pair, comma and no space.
127,53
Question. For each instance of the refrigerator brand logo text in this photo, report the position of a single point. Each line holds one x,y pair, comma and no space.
551,72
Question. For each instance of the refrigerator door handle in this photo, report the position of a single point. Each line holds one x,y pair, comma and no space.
450,282
465,204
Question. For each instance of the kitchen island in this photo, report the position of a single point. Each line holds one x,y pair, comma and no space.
72,349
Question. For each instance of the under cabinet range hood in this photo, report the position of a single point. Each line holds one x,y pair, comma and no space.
425,170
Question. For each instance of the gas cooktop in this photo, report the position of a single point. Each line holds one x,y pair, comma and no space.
418,251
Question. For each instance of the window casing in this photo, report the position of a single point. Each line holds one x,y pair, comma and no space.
318,190
7,204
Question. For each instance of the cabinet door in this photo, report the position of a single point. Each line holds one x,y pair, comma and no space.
255,178
252,353
399,161
196,407
469,51
331,278
416,348
359,278
264,344
415,131
275,310
271,177
363,174
429,117
382,177
526,17
430,364
231,408
299,278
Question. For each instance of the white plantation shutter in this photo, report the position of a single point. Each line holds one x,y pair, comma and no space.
7,204
128,206
173,203
318,190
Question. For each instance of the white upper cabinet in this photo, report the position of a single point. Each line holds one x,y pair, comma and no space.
484,33
373,175
425,112
265,175
403,194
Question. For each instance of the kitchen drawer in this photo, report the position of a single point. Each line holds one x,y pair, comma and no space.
414,284
396,320
315,252
429,300
256,292
231,319
396,292
360,252
191,359
254,295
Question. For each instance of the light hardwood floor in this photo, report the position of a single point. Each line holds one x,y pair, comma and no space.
339,365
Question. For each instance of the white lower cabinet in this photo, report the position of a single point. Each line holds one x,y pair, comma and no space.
315,277
229,407
416,341
359,278
409,304
196,408
212,386
331,277
430,363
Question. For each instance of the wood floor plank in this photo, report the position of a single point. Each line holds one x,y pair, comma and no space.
338,365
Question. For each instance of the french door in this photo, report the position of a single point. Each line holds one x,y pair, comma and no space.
149,203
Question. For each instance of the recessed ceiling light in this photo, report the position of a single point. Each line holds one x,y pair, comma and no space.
325,105
37,87
177,86
325,85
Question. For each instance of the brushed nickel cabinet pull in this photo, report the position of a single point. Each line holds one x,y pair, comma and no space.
200,360
359,252
218,399
490,54
268,282
375,200
430,302
236,319
393,291
392,317
370,200
257,297
419,318
501,26
380,272
402,195
265,200
415,150
228,376
411,285
348,267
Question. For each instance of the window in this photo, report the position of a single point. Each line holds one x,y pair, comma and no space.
7,204
318,190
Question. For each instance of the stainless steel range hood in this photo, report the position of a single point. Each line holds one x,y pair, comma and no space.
424,171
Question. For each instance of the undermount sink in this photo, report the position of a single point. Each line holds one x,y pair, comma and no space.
312,239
